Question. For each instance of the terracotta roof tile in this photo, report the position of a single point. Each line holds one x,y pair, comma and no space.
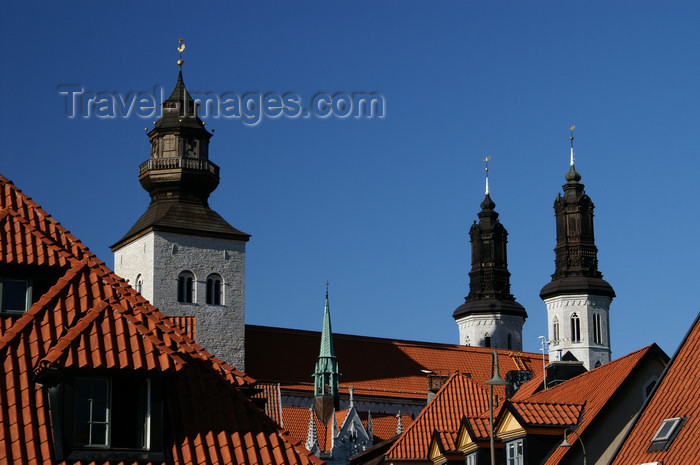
399,375
460,396
677,395
92,318
542,414
592,389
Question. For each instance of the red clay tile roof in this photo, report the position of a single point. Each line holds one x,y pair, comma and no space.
296,421
446,441
541,414
460,396
399,374
677,395
594,389
91,318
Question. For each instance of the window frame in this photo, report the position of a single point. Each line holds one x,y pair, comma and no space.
215,290
27,295
519,455
186,287
555,330
661,443
60,388
575,321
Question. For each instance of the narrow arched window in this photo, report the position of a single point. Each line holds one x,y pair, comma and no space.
597,329
214,290
575,328
139,284
510,342
555,331
487,340
185,287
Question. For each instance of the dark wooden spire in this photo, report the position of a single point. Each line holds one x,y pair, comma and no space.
576,255
489,279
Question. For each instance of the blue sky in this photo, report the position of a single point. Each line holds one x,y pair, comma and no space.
381,207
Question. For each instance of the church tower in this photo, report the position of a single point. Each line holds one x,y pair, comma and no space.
181,255
578,299
326,393
490,316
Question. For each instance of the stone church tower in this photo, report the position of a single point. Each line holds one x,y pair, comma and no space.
181,255
490,316
578,299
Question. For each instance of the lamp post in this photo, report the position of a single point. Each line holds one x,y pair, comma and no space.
495,380
566,443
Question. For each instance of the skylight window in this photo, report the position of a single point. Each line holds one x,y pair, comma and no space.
666,433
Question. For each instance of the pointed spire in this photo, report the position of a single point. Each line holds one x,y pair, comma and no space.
312,434
327,333
576,255
399,425
370,428
326,394
351,389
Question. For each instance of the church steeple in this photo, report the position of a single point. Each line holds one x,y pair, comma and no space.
578,298
576,255
326,394
184,257
490,304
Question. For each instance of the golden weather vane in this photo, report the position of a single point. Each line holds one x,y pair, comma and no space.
181,49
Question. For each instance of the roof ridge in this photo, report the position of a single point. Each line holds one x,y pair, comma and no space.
407,342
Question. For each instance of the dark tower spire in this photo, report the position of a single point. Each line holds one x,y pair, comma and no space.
576,255
179,175
489,284
578,298
326,394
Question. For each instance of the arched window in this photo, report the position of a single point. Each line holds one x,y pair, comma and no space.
597,329
487,340
510,341
575,328
185,287
214,290
139,284
555,331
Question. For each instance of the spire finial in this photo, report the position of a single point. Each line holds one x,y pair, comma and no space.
571,138
486,160
181,49
326,290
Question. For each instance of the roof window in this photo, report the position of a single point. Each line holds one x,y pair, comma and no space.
666,433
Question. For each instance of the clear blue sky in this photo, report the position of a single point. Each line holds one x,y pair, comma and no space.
381,207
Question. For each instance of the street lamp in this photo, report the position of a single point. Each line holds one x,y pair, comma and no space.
495,380
566,443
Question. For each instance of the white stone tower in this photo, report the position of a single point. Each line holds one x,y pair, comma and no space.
181,255
490,316
578,299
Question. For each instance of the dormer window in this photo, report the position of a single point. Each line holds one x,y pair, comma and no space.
115,417
15,295
666,433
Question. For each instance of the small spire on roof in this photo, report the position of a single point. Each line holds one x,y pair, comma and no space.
399,425
370,428
486,160
181,49
312,435
351,390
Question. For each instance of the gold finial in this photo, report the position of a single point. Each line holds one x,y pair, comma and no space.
573,126
181,49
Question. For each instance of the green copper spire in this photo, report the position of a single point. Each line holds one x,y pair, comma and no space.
326,373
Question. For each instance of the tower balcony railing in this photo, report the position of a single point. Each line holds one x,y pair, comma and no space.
168,163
